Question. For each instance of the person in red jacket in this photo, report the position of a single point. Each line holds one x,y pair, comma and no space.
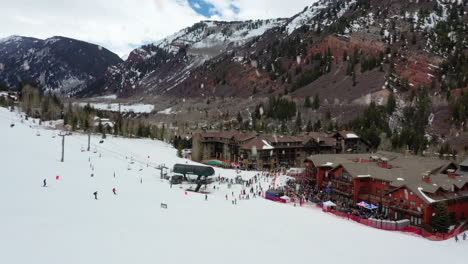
114,191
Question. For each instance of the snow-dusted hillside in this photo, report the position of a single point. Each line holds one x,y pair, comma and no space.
315,15
61,65
157,68
63,223
217,34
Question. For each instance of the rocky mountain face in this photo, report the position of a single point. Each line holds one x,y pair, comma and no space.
61,65
346,51
160,67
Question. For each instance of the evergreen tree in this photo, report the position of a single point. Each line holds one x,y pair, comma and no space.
328,114
283,127
74,123
354,78
179,150
307,103
413,39
391,104
316,102
309,127
239,118
318,125
441,220
298,122
100,128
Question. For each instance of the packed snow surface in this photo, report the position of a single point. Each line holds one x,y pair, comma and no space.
63,223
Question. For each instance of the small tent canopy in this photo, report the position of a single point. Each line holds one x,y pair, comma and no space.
285,199
193,169
371,207
328,204
363,204
215,162
276,193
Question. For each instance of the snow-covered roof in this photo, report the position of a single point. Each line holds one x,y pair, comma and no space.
429,199
267,145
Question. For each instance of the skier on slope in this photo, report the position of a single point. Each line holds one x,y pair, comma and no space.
45,183
206,197
114,191
464,236
95,195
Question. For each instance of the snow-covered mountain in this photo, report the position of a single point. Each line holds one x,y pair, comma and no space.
157,68
61,65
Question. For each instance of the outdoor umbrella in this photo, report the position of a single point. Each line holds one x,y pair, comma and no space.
371,207
363,204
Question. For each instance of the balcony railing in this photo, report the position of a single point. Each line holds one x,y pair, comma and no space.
405,209
342,181
347,194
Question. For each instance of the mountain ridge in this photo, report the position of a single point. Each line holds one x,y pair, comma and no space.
61,65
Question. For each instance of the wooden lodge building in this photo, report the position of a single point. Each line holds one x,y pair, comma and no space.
404,187
255,151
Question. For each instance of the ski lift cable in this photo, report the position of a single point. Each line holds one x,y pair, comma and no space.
118,154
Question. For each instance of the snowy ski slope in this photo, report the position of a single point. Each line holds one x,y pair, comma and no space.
63,223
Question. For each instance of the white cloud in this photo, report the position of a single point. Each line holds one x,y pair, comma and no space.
121,25
259,9
118,25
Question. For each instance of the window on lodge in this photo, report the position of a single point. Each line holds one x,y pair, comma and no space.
344,175
413,204
377,190
403,201
415,220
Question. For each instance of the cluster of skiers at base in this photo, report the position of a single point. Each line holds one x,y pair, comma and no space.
463,236
94,193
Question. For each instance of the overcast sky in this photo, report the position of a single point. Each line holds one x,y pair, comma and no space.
122,25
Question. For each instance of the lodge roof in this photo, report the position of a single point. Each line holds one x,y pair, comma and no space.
464,163
401,171
260,143
323,139
235,135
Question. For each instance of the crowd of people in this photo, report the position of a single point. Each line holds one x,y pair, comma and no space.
299,194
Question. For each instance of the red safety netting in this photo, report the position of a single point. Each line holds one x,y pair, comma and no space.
385,225
393,227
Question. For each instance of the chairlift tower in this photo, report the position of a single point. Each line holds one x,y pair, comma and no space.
63,135
162,167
